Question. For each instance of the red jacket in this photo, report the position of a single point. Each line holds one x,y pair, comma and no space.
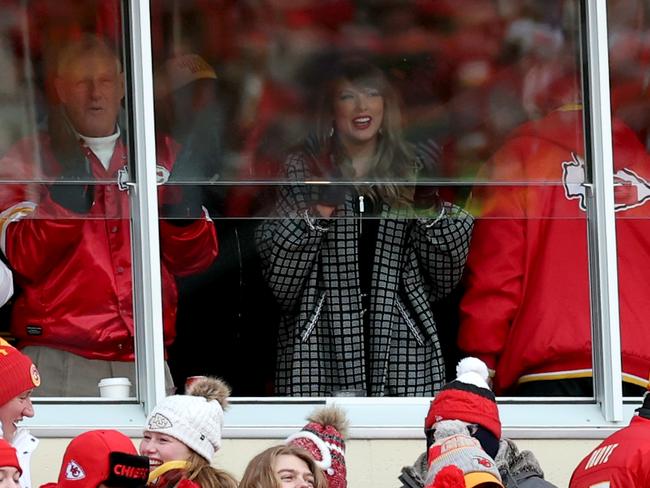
620,461
75,270
526,307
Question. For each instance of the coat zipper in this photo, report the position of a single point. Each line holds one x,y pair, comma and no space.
362,209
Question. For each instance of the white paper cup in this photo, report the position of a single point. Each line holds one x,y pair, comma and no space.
115,388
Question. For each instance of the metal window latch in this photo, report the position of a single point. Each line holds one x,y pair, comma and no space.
123,182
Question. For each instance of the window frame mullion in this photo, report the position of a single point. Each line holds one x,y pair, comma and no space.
147,289
603,269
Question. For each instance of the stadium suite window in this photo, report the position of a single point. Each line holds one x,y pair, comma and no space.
415,126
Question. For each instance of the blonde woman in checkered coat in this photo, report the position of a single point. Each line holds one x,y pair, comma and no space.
357,266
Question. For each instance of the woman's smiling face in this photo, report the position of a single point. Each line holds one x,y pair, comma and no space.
293,472
358,114
14,411
161,448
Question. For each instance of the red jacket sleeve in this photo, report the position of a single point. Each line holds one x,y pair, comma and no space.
35,231
184,249
190,249
35,244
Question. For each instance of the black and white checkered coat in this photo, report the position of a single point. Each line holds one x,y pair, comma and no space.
312,267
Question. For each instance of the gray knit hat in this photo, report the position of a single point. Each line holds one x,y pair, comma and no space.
464,452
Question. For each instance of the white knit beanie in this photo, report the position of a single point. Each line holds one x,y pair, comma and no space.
195,419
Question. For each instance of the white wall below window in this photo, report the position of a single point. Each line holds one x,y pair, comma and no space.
371,463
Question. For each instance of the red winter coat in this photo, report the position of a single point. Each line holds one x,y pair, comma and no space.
620,461
526,307
75,270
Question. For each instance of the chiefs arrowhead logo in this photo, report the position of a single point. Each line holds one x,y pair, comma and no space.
159,421
74,472
485,462
630,189
162,175
36,377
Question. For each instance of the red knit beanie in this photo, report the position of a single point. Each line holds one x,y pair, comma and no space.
17,371
467,398
8,456
324,438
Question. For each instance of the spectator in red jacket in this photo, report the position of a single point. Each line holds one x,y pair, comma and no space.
622,460
69,244
525,311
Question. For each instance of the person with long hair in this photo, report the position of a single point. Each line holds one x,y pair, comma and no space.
182,434
357,259
283,467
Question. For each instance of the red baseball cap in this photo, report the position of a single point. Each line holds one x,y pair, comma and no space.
102,456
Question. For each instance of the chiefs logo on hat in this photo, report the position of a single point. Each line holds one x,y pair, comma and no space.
74,472
36,377
485,462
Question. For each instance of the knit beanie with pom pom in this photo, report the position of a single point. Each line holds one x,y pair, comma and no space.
196,418
324,438
455,448
468,398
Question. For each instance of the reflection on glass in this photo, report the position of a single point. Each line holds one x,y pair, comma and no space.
525,310
526,306
343,180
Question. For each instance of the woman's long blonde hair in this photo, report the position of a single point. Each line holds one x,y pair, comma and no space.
394,160
260,472
199,470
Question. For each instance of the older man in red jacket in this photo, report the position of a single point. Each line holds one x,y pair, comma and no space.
70,244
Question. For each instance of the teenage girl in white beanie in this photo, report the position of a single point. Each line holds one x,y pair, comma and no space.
182,434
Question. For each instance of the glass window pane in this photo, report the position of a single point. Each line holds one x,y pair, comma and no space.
526,307
628,47
66,222
345,150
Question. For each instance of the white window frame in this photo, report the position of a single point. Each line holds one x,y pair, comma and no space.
369,417
603,268
147,282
